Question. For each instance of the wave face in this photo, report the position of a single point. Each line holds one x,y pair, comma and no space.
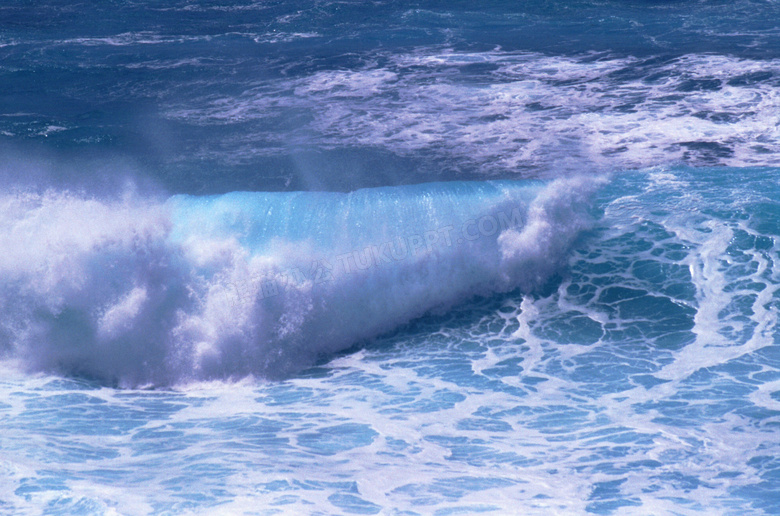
195,288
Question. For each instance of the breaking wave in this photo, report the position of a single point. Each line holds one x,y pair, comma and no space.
136,291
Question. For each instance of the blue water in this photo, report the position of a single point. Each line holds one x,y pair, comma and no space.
389,258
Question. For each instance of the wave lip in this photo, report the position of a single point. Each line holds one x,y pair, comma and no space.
135,292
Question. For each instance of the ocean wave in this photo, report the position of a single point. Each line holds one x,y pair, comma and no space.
141,292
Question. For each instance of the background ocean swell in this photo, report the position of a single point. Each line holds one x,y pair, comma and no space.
216,97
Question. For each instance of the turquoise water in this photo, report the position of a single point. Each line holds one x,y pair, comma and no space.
397,258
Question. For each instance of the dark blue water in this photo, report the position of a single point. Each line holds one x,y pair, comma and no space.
270,257
213,97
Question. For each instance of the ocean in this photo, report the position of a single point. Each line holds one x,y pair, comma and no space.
389,257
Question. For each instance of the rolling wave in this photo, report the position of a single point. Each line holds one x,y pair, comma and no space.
139,292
